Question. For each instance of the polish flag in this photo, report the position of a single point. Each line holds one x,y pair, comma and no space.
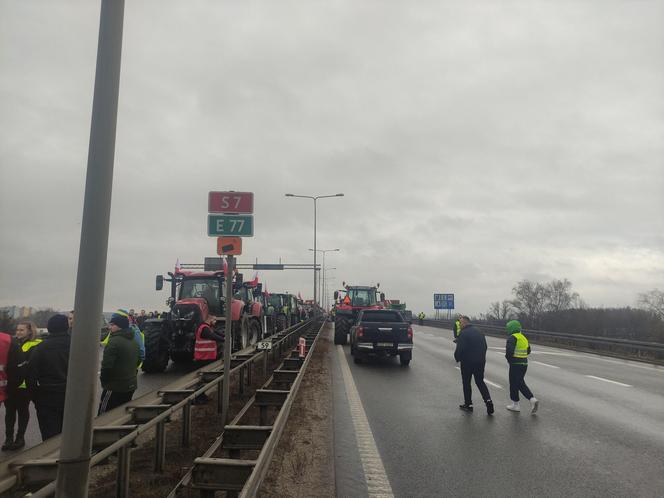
177,265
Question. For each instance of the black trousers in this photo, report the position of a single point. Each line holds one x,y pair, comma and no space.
518,383
50,418
113,399
469,370
17,403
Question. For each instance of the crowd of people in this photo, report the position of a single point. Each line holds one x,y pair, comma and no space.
34,369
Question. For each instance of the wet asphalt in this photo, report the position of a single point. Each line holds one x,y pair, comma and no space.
593,436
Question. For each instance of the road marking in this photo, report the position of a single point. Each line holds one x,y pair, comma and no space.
498,349
607,380
493,384
374,472
543,364
487,381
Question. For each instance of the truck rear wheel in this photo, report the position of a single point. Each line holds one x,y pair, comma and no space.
156,349
341,327
404,358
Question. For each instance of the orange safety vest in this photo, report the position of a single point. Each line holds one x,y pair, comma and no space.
204,349
5,344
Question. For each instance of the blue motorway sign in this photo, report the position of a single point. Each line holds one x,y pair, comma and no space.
443,301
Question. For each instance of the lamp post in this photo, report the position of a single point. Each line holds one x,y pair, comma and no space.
315,199
323,267
327,279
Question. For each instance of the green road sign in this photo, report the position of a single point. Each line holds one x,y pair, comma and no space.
230,224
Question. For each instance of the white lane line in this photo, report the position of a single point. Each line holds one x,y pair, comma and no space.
543,364
493,384
498,349
487,381
607,380
374,472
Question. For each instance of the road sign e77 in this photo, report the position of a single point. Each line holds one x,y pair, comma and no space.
231,202
230,225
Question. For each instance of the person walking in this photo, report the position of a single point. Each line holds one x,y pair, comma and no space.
420,317
46,376
471,353
456,329
517,350
119,364
18,402
10,356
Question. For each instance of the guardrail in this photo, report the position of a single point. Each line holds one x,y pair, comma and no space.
623,348
117,430
232,473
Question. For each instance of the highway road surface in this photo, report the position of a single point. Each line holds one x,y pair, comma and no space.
399,432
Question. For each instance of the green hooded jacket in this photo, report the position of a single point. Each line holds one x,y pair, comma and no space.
120,362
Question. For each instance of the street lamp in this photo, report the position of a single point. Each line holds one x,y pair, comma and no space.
323,266
315,198
327,280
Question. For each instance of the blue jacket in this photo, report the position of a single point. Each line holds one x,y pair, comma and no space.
138,337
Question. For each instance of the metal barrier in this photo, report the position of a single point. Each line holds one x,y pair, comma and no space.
624,348
117,430
236,475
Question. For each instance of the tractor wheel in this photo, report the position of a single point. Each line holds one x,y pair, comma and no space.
254,332
281,323
182,357
341,327
244,334
156,349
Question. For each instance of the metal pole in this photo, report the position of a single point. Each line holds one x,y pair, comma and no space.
227,339
322,290
315,252
74,461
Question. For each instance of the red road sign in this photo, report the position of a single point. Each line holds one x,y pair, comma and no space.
231,202
229,246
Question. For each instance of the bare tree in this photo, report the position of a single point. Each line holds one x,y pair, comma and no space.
500,310
652,301
530,300
559,295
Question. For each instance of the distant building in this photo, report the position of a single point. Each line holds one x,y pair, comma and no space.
17,312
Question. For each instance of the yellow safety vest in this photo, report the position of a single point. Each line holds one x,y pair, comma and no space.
457,328
521,348
27,346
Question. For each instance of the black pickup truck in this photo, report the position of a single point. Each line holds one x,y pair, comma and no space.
381,333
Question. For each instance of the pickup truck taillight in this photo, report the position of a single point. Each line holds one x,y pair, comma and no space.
410,332
360,331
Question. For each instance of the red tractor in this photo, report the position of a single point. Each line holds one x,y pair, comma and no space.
350,301
194,296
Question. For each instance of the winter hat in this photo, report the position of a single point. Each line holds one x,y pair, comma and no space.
120,319
57,324
513,326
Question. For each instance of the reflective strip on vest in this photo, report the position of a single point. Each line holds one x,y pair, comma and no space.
457,328
204,349
521,349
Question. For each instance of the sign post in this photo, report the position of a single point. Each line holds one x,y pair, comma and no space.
227,340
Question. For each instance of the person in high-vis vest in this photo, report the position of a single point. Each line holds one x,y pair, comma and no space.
420,317
516,352
207,343
18,402
456,329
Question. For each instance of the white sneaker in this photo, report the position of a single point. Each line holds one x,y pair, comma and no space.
514,407
534,404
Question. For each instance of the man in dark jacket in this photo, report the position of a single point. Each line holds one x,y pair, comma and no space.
471,352
119,365
47,376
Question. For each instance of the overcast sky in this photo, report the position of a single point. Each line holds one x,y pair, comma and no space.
476,143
